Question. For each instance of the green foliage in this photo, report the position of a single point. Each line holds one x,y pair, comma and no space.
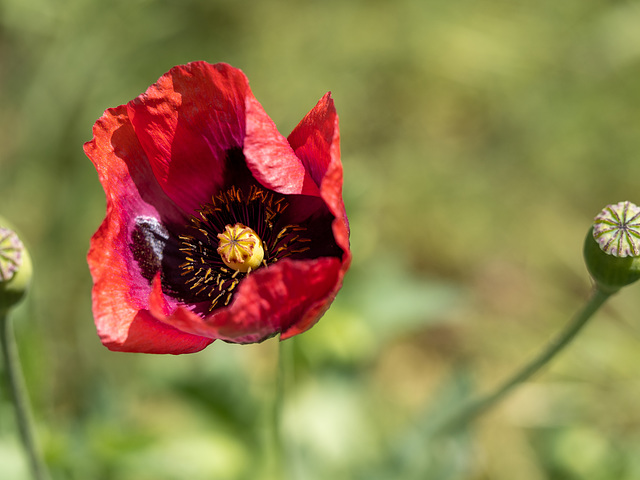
479,139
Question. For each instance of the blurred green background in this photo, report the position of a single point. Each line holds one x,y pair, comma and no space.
479,139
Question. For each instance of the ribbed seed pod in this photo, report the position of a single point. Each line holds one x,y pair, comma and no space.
612,247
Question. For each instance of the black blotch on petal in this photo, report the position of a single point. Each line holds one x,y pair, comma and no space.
148,240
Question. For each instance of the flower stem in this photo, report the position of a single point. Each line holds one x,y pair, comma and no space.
276,446
469,411
17,390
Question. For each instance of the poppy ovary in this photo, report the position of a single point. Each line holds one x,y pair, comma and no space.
240,248
612,247
15,268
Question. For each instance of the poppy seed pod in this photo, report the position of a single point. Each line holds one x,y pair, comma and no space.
612,247
15,268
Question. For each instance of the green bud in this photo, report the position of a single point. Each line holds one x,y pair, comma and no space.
612,247
15,268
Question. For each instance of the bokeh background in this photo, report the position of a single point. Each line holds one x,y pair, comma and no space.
479,139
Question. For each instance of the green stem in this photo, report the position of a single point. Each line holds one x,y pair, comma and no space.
17,390
469,411
276,448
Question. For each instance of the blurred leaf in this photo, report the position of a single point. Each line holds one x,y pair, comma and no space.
13,460
414,453
393,300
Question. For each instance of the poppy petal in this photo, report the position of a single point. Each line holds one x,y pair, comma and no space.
187,123
269,156
316,141
120,291
287,297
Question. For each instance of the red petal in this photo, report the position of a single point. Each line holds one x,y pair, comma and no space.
316,141
287,297
317,310
177,317
186,123
120,293
270,157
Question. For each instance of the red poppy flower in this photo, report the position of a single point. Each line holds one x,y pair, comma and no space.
217,226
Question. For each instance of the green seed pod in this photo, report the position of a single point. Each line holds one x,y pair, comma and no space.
612,247
15,268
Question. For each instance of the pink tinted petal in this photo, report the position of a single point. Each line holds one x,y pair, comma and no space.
120,293
119,306
270,157
186,123
124,170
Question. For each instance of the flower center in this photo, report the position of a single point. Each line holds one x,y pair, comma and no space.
228,239
240,248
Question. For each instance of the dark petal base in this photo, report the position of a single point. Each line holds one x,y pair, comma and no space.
298,227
